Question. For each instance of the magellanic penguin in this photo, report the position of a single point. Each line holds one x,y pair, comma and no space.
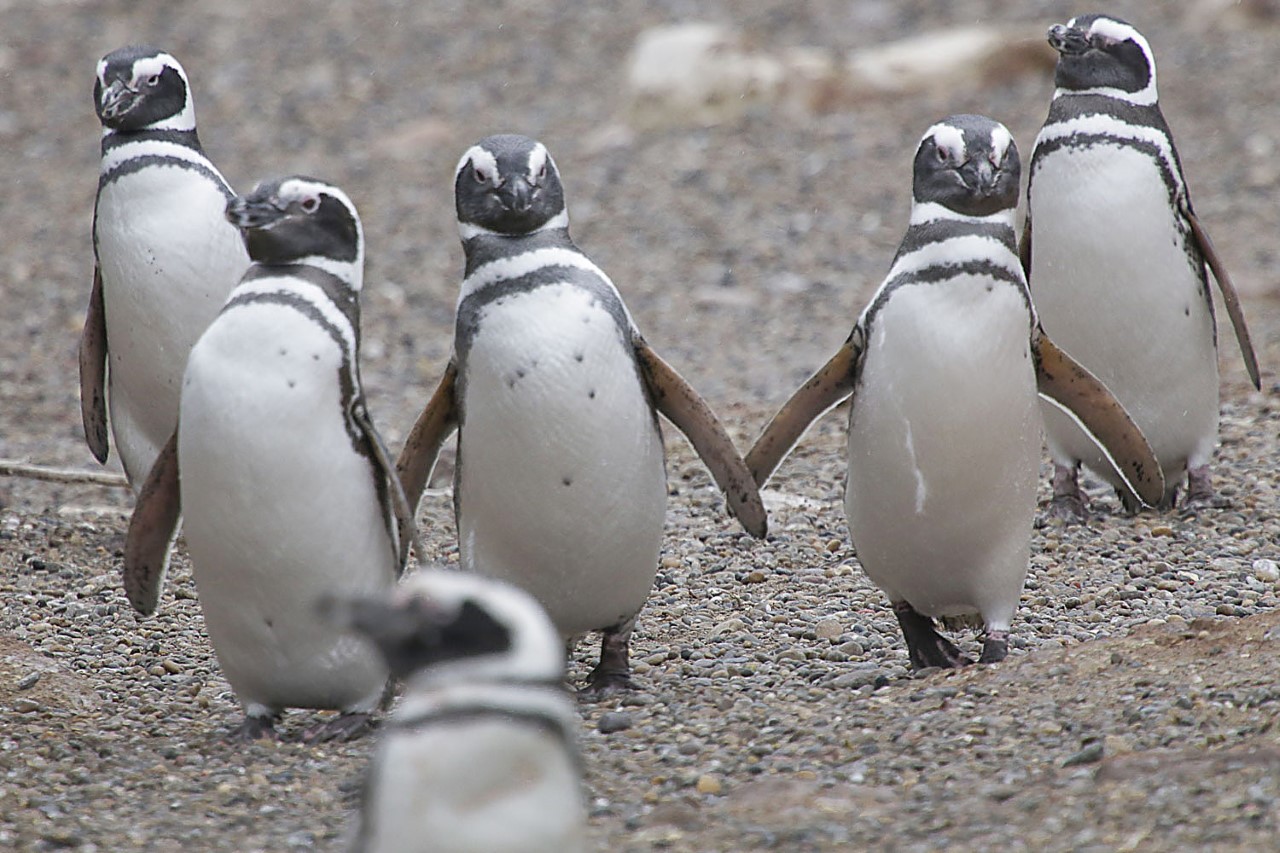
287,492
481,753
944,428
1117,263
166,257
560,486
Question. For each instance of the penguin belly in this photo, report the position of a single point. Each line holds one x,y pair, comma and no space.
944,449
561,478
280,511
1114,288
520,793
168,259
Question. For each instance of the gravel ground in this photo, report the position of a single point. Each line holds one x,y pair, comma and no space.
777,709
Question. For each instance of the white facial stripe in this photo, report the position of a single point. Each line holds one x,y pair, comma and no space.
480,158
153,66
948,138
523,264
1001,139
1111,126
1116,31
537,159
102,70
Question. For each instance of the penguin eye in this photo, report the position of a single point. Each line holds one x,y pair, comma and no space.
481,175
153,80
542,171
942,154
310,204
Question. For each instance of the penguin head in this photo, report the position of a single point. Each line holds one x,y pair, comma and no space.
443,626
140,88
1104,55
508,185
968,164
297,219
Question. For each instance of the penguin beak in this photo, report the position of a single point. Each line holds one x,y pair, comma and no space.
1069,41
117,100
516,195
250,213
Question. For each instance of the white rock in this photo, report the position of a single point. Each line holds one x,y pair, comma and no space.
697,73
949,59
1266,571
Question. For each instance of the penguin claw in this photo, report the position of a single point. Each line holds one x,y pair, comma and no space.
926,647
254,729
1069,504
995,647
605,684
341,728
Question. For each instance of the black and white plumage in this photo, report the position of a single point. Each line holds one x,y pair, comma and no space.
286,490
944,366
1117,263
481,753
560,486
166,257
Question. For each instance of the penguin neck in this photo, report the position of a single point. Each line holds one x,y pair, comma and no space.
187,138
482,247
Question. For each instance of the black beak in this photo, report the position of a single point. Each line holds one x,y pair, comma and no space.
117,100
1069,41
249,213
517,195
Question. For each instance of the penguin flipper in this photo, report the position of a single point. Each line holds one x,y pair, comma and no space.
1024,248
1071,387
436,423
833,382
1229,296
93,372
681,404
406,527
152,529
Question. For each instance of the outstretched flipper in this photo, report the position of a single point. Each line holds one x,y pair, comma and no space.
1229,297
93,373
436,423
152,529
833,382
385,470
1067,384
676,399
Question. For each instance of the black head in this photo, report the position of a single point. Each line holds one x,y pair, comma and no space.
142,87
419,633
968,164
286,220
1100,52
508,185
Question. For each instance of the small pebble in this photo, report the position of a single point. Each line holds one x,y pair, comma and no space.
614,721
709,784
25,706
28,681
1266,570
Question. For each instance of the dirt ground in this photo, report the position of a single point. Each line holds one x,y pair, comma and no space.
777,712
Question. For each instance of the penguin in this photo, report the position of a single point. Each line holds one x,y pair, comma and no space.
165,256
483,671
286,489
1117,263
560,485
944,366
